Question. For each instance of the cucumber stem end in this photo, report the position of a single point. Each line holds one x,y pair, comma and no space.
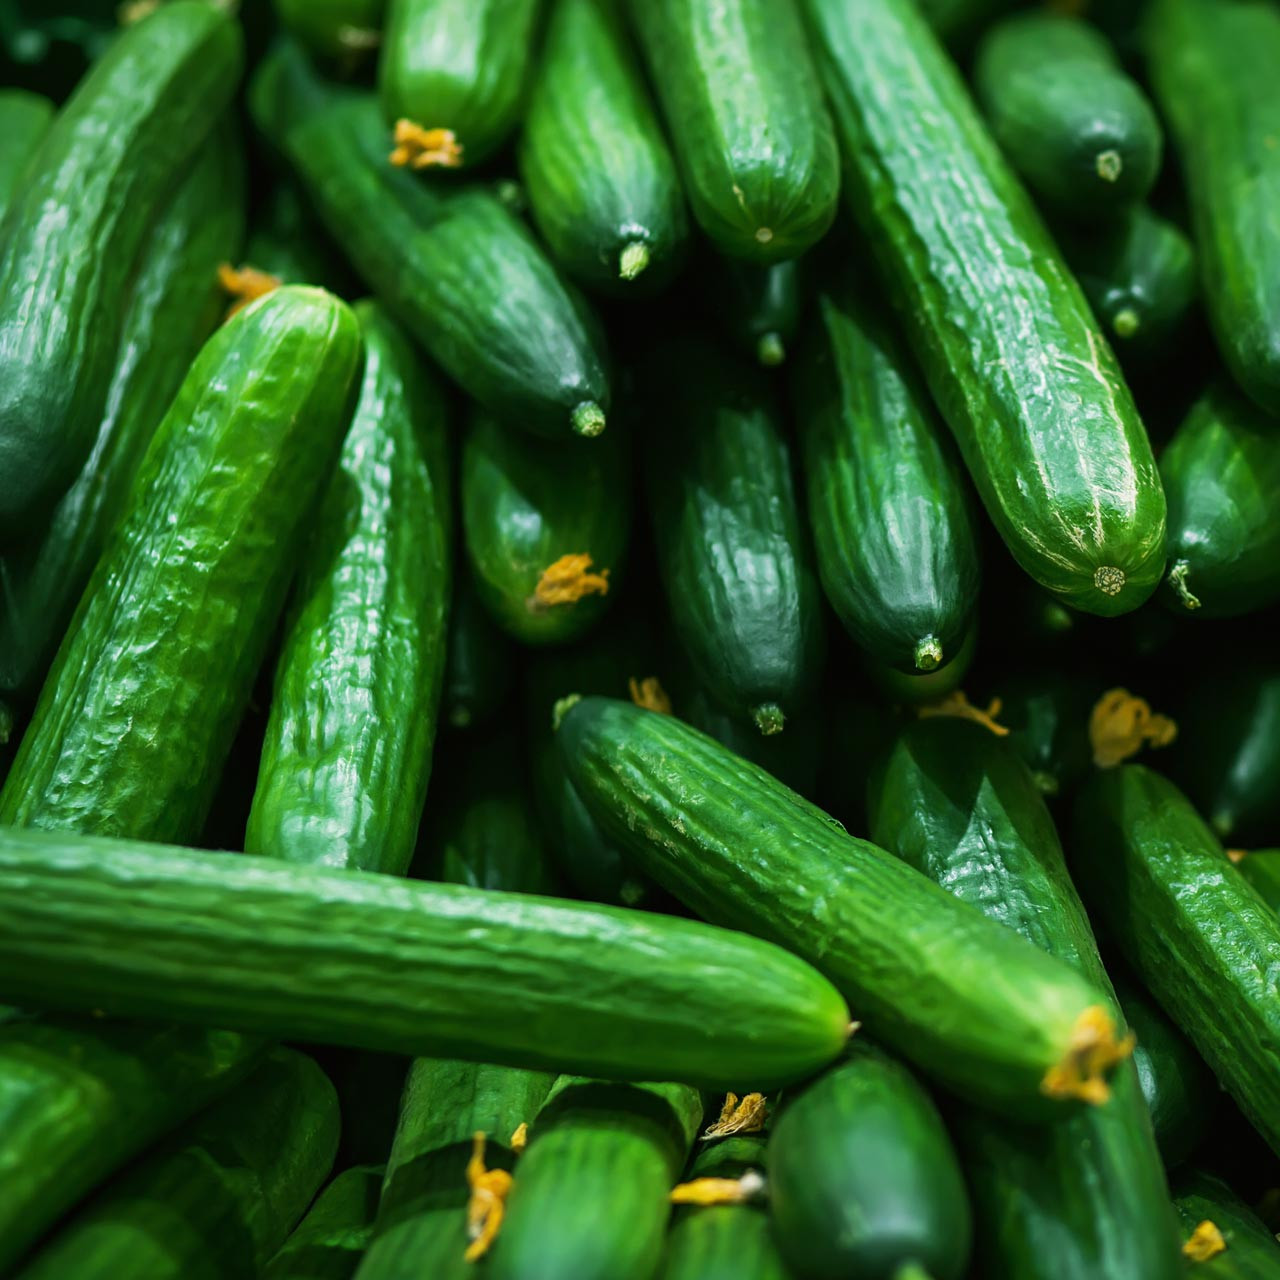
1109,165
562,708
928,654
587,419
1178,581
770,350
633,259
769,718
1126,322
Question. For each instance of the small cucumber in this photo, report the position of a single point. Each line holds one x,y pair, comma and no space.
24,119
285,241
1261,868
757,306
329,1242
479,665
342,30
1250,1251
1046,711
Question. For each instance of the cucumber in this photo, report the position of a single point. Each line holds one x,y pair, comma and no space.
1047,714
892,519
863,1179
1250,1251
1004,336
100,175
344,30
348,744
1201,938
218,1200
479,665
601,180
737,846
758,307
1221,471
747,121
24,119
329,1242
1212,66
957,20
137,716
283,949
531,510
285,241
1261,868
906,690
1078,130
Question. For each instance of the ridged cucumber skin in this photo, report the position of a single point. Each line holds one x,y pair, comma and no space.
744,110
81,1096
175,304
600,177
302,953
1212,67
1201,938
330,1241
479,664
460,65
220,1199
348,744
893,524
1251,1253
758,307
528,502
863,1179
1261,868
1221,474
1004,336
590,1198
1078,130
1086,1197
24,118
135,720
978,1007
70,237
338,29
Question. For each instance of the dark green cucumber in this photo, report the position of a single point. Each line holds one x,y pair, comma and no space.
863,1179
285,241
330,1241
370,961
98,178
1008,346
1251,1251
757,306
1201,938
1261,868
746,117
24,118
348,744
968,1000
344,30
1221,474
893,523
137,716
1047,714
219,1199
957,20
175,305
479,665
1212,66
602,183
1079,131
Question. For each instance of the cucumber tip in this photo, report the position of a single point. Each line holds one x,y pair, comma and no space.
1109,579
1178,581
770,350
588,419
1109,165
1126,322
928,654
562,708
633,259
769,718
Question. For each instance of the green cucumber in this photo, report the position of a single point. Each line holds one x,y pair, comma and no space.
918,689
219,1199
479,665
1261,868
757,306
1250,1252
24,119
137,716
1005,338
348,744
863,1179
981,1009
1212,66
747,121
98,178
343,30
957,20
602,183
1046,711
285,241
893,523
329,1242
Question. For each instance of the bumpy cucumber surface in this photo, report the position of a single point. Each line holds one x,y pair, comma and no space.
479,667
24,117
344,30
758,306
1251,1251
329,1242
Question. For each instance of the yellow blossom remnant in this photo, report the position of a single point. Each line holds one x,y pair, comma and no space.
738,1116
1091,1054
519,1138
420,148
1237,855
489,1191
567,581
245,285
712,1191
1121,724
1206,1242
957,705
649,694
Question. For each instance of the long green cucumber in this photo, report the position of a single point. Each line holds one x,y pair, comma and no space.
348,744
24,118
1005,338
976,1006
759,307
100,175
1261,868
330,1241
1250,1252
479,665
343,30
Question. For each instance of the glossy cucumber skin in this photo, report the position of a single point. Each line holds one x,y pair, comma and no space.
863,1179
70,237
1221,474
759,307
980,1008
24,118
175,304
1004,336
219,1200
341,29
598,171
1213,70
302,953
1261,868
348,745
136,718
893,523
1251,1253
479,665
329,1242
1201,938
745,113
525,504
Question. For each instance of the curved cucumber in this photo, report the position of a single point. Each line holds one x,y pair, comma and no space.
479,665
328,1243
24,119
758,306
340,29
1251,1251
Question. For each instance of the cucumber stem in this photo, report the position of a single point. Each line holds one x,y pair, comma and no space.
1109,165
633,260
764,235
588,419
1126,322
1178,581
770,351
769,718
1109,579
928,655
911,1271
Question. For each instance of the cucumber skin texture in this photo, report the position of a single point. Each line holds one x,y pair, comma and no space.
893,524
1056,97
744,110
1251,1252
24,118
1200,937
479,665
328,1243
863,1179
1261,868
348,744
220,1199
321,24
737,846
255,964
175,305
101,173
1212,67
80,1096
597,169
122,746
1045,423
